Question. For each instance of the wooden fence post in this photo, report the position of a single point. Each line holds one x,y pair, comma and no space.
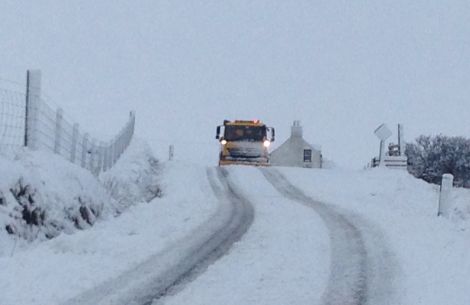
73,152
58,130
33,100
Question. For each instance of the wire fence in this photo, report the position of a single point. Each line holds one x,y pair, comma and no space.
27,120
12,118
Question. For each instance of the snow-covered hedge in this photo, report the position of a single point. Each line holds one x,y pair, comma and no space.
432,156
135,177
42,195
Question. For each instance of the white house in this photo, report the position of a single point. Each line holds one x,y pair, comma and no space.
296,152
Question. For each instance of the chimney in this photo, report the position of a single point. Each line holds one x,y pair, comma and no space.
296,130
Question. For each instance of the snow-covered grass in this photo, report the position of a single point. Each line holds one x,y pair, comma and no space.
460,209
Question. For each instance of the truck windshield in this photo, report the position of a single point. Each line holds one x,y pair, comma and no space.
245,133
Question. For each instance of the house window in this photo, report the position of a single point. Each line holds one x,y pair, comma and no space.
307,155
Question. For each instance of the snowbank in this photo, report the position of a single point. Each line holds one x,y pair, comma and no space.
42,194
460,212
135,176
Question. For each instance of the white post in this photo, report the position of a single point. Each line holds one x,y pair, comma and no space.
85,150
401,140
445,196
33,100
58,130
382,153
73,154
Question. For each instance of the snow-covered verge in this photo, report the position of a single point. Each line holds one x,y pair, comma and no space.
89,258
432,253
460,209
42,194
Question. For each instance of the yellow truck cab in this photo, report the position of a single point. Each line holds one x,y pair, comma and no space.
244,142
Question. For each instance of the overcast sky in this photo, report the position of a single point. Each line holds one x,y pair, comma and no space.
341,67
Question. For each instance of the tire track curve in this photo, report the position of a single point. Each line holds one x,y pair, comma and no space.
168,272
361,267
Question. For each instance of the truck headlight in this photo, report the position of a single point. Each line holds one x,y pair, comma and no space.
266,143
223,142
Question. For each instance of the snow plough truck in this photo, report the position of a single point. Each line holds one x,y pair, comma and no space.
244,142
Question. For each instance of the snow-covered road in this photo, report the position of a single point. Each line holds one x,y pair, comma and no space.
167,272
282,259
358,275
308,253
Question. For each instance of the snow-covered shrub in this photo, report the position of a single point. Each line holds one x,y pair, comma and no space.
3,200
134,178
431,157
42,195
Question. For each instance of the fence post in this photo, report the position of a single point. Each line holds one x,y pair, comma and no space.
445,199
92,153
73,154
109,155
58,130
171,152
105,157
84,150
101,153
116,147
33,100
132,128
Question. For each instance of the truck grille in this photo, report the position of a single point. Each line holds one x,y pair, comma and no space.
245,152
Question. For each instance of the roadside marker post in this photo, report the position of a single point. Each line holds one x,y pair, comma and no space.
445,196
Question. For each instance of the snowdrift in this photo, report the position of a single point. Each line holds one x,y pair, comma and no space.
135,177
42,195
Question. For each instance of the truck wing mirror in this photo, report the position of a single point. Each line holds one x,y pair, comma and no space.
217,136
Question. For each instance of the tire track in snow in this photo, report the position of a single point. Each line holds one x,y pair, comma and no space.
241,219
167,272
360,273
